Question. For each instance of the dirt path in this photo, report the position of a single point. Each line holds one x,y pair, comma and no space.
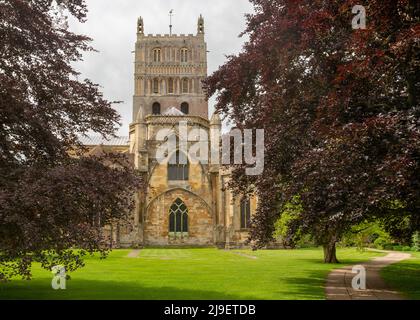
339,281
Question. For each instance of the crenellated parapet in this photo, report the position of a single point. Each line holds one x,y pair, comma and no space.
200,30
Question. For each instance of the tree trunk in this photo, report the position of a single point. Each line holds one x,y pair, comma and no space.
330,253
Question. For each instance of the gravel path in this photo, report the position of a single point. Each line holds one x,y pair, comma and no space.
339,281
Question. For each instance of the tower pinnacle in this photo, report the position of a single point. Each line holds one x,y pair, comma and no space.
140,26
200,25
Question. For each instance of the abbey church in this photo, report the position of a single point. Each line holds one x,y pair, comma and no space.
185,203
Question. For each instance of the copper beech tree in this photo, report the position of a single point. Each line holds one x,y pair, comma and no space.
340,109
51,203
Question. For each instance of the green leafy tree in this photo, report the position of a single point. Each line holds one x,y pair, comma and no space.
367,234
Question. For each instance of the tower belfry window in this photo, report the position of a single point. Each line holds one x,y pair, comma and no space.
156,55
170,85
185,108
156,108
184,55
156,86
185,84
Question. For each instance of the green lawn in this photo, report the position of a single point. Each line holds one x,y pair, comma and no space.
191,274
404,276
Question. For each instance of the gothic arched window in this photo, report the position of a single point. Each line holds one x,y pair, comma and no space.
156,55
185,108
170,85
156,108
184,55
178,167
185,85
178,217
245,213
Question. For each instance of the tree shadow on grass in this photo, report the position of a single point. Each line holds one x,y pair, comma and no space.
342,262
403,277
107,290
311,286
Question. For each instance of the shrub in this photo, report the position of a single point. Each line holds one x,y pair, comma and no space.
388,246
367,234
290,212
381,242
397,247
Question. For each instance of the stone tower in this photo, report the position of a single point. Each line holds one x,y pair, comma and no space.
169,70
183,203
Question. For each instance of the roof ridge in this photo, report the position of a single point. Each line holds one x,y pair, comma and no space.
173,111
93,140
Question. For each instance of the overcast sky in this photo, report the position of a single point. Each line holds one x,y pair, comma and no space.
112,25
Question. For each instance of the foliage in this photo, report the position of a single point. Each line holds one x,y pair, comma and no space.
400,228
290,212
51,202
340,110
367,234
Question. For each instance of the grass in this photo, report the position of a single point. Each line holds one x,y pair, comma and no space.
191,274
404,276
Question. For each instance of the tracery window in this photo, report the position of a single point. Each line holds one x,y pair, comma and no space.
178,217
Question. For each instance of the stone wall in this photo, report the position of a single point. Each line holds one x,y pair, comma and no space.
196,193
